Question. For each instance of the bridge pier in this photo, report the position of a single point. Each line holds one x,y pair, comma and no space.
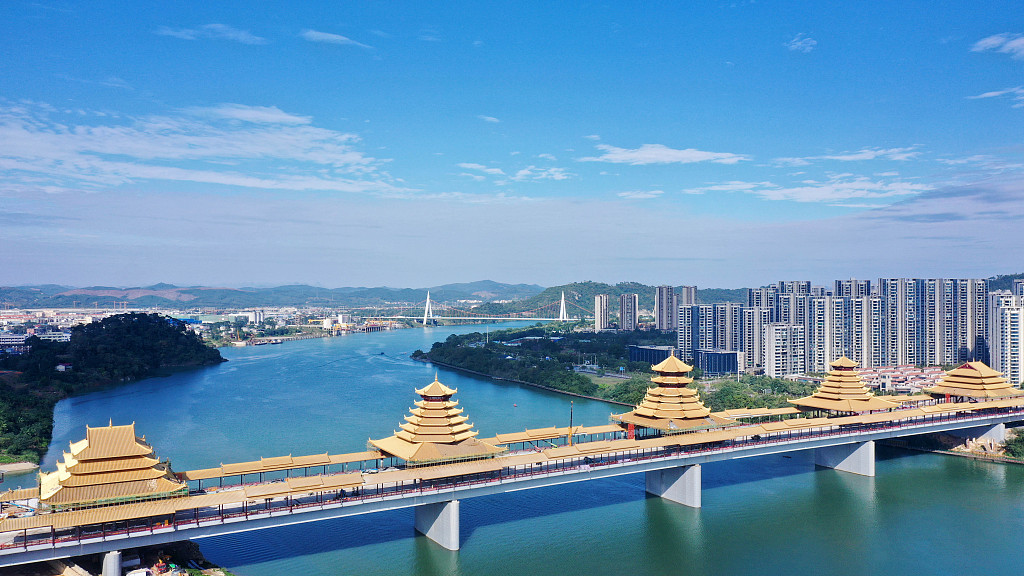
856,458
680,484
112,563
439,522
994,432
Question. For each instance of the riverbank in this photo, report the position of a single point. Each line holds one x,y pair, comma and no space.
524,383
18,467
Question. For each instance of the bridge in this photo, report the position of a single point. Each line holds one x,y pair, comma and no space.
433,311
280,491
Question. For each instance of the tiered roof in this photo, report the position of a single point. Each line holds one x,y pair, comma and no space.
110,465
670,406
974,380
435,430
843,391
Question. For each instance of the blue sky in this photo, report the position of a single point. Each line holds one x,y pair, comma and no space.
719,144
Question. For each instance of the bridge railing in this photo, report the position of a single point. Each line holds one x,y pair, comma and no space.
380,492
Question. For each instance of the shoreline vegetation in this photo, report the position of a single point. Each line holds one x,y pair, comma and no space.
114,351
547,356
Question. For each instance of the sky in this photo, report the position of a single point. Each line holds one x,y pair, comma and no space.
722,144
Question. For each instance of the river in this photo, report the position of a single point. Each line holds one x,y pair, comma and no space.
923,513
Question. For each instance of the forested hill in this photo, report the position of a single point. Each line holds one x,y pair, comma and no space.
581,295
119,348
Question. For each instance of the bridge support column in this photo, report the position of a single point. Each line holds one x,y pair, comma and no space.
680,484
439,522
857,458
112,563
995,433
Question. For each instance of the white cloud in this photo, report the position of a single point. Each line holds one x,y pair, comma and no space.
660,154
592,137
534,173
491,119
1012,44
734,186
269,149
1016,94
547,157
476,177
908,153
328,38
255,114
837,188
640,194
217,31
801,43
481,168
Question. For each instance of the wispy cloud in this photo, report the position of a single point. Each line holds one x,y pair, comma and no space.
255,114
801,43
1016,94
547,157
534,173
229,144
481,168
1012,44
328,38
217,31
491,119
661,154
899,154
836,189
640,194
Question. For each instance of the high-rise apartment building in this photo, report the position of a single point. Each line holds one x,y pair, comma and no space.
703,323
866,331
970,297
851,287
728,326
794,286
1005,334
687,296
763,297
601,312
1018,287
629,309
899,296
784,350
825,331
665,308
755,320
684,332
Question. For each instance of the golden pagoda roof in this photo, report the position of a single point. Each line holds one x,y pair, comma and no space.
435,430
670,406
672,365
844,362
435,388
110,464
974,380
843,391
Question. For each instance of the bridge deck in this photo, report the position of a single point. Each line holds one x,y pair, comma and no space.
303,499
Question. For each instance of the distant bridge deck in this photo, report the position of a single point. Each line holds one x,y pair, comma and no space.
265,505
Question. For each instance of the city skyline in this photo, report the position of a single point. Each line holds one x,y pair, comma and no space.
342,146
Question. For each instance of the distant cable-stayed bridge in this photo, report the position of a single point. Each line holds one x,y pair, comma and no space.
554,311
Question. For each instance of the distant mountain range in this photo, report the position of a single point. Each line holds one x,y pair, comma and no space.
579,295
169,295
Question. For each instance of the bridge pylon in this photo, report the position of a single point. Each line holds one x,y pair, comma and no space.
562,315
427,312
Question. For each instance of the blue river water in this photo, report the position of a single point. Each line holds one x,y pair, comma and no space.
922,514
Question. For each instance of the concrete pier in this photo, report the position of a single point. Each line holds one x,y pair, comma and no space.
680,484
439,522
993,432
857,457
112,563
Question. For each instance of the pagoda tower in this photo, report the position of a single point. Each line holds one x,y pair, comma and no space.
435,431
973,381
110,466
843,392
670,406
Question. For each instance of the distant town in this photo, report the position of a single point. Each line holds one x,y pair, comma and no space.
900,331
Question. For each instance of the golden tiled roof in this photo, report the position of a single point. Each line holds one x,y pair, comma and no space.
974,380
670,406
843,391
435,430
110,464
